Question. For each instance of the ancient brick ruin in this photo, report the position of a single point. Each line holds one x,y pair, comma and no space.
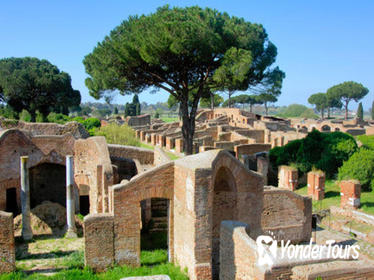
214,203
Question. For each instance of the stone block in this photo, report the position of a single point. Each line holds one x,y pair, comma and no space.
287,177
316,185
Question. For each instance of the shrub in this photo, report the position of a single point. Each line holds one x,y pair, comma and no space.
115,134
39,117
7,112
367,141
91,123
359,166
25,116
57,118
325,151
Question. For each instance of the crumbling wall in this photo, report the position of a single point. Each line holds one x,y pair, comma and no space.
286,215
144,156
99,241
93,169
75,128
7,245
140,120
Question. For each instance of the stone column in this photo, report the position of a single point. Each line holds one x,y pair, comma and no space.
25,200
70,203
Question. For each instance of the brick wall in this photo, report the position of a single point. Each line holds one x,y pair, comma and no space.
145,156
350,193
93,169
250,149
287,177
99,241
7,246
287,215
316,185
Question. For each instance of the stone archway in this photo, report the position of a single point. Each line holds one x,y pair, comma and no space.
224,208
326,128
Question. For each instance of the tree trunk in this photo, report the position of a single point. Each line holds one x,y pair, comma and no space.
230,93
328,112
346,109
211,101
188,125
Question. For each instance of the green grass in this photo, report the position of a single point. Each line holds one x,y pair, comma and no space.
171,155
146,146
332,198
169,119
152,263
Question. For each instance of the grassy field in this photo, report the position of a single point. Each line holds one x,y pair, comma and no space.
332,198
169,119
55,259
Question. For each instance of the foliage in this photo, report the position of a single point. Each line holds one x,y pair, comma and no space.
359,166
7,112
57,118
367,141
360,112
347,92
25,116
266,98
320,101
372,111
297,111
183,51
115,110
39,117
91,123
206,102
115,134
133,109
324,151
32,84
243,99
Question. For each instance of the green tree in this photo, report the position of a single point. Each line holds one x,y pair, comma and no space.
266,98
136,104
372,111
333,102
183,51
206,102
360,112
116,110
244,99
359,166
39,117
297,111
33,84
25,116
320,101
347,92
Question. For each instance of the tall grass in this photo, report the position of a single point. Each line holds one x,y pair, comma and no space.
116,134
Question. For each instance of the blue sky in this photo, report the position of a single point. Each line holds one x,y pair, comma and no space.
320,43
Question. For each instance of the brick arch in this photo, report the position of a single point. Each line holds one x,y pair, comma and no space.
236,193
157,182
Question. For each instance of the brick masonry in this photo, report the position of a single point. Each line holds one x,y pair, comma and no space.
316,185
287,177
350,193
7,245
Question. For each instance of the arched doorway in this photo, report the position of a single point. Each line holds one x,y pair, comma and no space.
326,128
224,208
47,182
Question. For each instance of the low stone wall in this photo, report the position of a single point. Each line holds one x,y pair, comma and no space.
7,246
238,253
286,215
99,241
144,156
